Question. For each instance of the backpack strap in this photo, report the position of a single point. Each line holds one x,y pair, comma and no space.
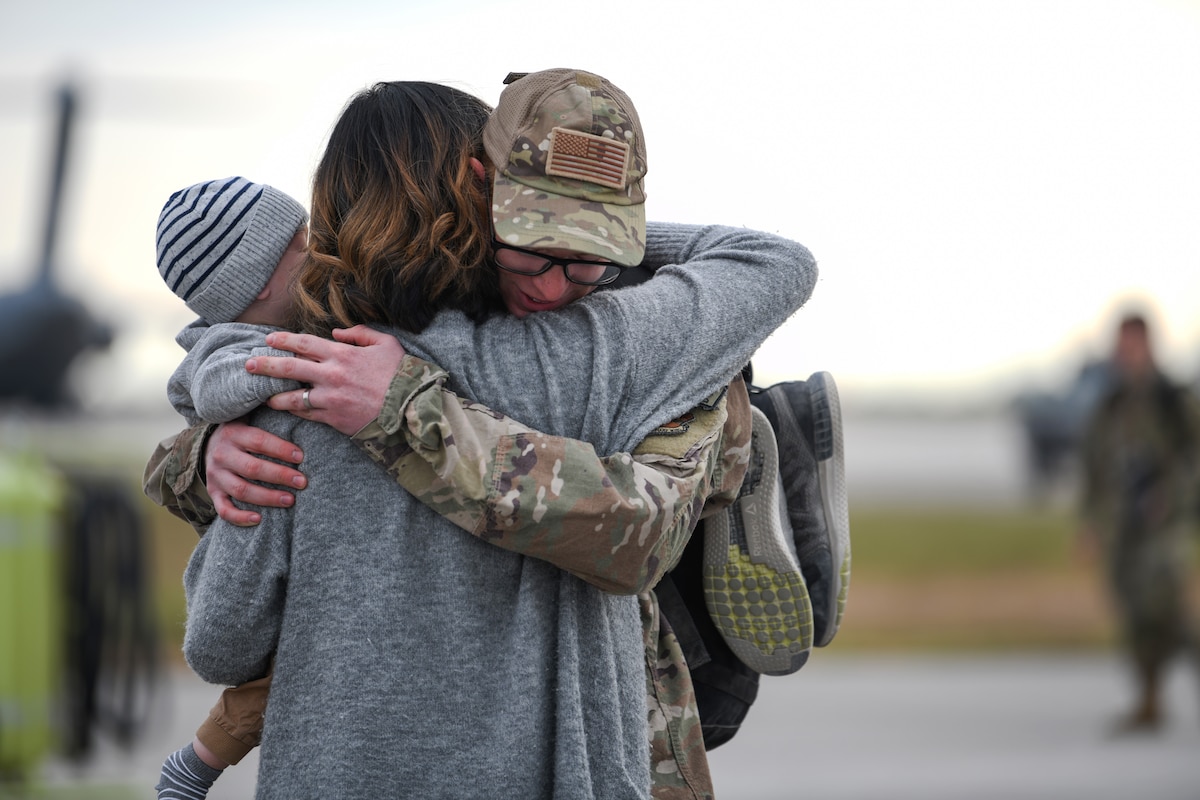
679,617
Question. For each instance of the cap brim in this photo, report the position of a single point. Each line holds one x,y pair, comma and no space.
528,217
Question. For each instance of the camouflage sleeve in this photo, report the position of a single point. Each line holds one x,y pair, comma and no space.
174,478
733,457
1191,414
1091,489
618,522
1187,439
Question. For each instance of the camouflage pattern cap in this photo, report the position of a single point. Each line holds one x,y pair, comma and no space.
570,159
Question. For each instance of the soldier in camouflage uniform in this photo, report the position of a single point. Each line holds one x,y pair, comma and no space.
1139,497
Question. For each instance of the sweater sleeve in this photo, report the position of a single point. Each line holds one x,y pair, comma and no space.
212,385
611,367
235,584
717,294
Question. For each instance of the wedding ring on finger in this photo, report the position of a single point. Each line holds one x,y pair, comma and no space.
308,406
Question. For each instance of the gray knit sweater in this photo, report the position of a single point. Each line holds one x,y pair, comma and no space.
414,660
211,383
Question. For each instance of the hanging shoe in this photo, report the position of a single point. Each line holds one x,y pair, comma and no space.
806,417
753,585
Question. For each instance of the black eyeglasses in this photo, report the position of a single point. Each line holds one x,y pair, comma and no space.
532,262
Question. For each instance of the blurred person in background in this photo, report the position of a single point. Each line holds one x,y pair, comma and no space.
1139,458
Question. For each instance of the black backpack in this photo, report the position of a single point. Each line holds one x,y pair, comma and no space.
725,687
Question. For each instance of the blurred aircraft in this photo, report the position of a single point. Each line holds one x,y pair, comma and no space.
1054,422
42,329
93,615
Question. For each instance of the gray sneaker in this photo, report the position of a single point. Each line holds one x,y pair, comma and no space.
807,419
753,585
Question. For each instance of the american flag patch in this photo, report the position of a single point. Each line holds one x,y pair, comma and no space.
587,157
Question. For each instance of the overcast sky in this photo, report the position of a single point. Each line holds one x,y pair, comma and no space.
981,182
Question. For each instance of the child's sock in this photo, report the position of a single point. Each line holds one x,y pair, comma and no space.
185,776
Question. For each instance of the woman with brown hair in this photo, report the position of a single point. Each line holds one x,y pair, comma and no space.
448,666
396,232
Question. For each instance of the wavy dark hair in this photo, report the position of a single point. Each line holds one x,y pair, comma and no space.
400,224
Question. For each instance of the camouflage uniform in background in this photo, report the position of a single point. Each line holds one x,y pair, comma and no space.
1139,456
502,482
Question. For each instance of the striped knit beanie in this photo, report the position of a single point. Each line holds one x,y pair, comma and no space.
220,241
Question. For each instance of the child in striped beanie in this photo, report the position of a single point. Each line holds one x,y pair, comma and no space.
230,249
219,243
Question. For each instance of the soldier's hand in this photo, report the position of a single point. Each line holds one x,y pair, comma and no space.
235,457
347,378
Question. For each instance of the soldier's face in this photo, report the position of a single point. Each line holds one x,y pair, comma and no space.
527,294
1133,352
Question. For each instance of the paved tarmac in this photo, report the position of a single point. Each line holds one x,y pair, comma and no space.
1009,727
861,727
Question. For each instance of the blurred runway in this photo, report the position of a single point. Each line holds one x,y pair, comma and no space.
1008,727
861,727
976,460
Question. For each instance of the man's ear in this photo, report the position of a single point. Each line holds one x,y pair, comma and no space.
477,165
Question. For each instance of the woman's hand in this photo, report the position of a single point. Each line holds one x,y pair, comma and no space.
348,378
233,459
